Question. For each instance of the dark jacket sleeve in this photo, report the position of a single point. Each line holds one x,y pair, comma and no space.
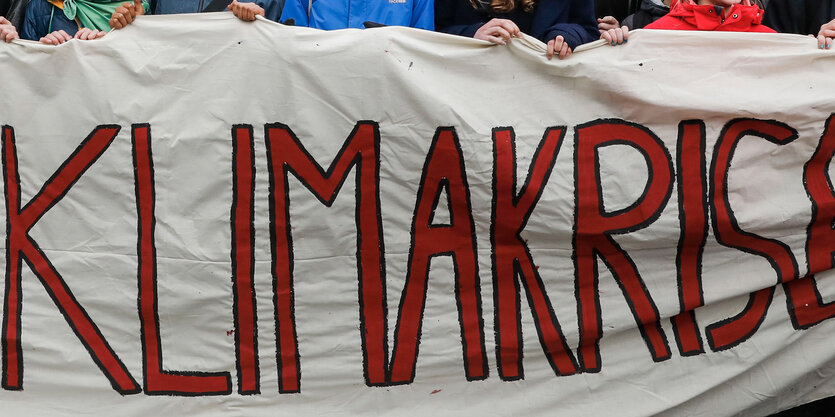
803,17
457,17
30,27
629,22
573,19
17,10
786,16
43,18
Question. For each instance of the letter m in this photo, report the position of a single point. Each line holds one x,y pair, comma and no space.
285,154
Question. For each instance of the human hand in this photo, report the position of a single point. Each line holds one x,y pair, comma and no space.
606,23
498,31
617,36
87,34
558,46
126,13
8,32
246,11
826,35
56,38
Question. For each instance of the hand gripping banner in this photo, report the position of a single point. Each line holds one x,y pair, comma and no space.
210,217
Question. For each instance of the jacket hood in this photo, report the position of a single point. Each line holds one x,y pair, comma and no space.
651,7
707,17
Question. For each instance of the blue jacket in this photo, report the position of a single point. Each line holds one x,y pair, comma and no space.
43,18
573,19
342,14
272,8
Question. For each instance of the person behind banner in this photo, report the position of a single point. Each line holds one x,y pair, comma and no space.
703,15
618,9
826,35
562,24
714,15
57,21
271,9
344,14
649,11
804,17
16,12
7,30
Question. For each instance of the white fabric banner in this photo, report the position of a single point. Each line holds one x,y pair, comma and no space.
211,217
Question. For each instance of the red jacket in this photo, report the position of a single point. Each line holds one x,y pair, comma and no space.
685,16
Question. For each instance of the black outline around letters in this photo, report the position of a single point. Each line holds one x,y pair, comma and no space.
714,174
233,221
153,265
326,176
827,133
656,356
477,283
518,273
35,251
686,313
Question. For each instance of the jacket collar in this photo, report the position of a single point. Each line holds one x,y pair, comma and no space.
651,6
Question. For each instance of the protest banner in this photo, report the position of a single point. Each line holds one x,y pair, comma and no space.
211,217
